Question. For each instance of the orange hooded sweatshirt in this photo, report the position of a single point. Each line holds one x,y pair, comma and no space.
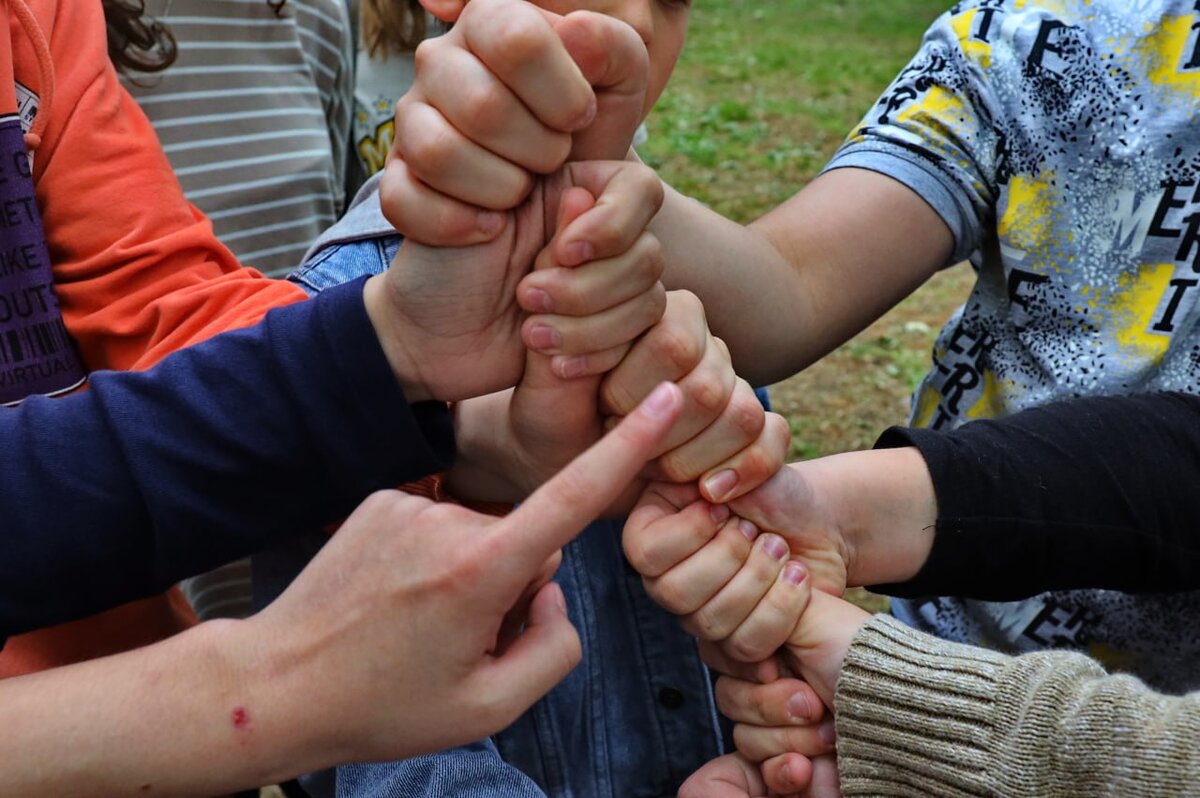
137,270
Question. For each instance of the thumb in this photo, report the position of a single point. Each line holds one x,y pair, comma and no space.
818,645
613,59
539,658
553,514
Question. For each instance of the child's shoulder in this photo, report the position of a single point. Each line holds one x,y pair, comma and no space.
362,242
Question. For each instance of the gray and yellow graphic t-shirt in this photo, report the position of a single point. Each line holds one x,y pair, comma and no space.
1060,141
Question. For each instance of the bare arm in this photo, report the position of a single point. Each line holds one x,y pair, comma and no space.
117,726
789,288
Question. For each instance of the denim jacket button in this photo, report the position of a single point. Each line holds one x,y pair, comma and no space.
670,698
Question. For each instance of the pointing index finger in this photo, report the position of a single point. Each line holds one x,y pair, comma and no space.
556,512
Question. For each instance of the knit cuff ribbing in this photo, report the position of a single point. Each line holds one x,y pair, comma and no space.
914,714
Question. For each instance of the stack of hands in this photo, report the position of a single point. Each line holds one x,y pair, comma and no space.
528,291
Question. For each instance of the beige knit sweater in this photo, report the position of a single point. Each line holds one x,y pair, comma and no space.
918,716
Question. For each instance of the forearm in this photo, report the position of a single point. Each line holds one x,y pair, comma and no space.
789,288
959,720
1087,493
117,726
486,468
884,507
734,269
149,477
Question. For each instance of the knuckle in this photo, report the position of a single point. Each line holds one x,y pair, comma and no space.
607,238
650,260
778,439
638,553
763,569
616,397
656,303
756,466
705,625
484,108
521,38
674,346
736,545
707,395
687,304
723,348
651,186
671,594
512,191
379,501
432,152
747,743
676,467
763,703
745,412
743,649
426,54
551,156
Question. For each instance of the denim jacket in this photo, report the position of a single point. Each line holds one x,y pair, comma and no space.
633,720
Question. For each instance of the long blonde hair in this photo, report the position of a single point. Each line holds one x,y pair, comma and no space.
391,27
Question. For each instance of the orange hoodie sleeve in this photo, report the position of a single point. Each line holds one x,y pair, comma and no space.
138,270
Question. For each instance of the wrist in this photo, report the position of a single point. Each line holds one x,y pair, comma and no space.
883,505
381,310
487,467
818,646
278,694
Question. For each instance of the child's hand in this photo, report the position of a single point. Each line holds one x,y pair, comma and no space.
449,319
495,102
726,581
725,438
729,776
786,776
767,727
855,518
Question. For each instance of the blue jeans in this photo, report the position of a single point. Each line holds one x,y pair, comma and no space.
637,716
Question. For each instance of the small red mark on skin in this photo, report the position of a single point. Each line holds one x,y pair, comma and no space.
145,788
240,718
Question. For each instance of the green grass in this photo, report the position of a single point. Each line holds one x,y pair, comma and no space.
767,89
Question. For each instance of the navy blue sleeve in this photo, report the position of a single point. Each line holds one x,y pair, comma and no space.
1091,493
118,492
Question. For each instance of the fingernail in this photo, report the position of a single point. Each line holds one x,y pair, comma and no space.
775,547
719,513
539,301
660,401
543,337
748,529
570,367
578,252
721,484
489,222
799,706
559,598
827,732
795,573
